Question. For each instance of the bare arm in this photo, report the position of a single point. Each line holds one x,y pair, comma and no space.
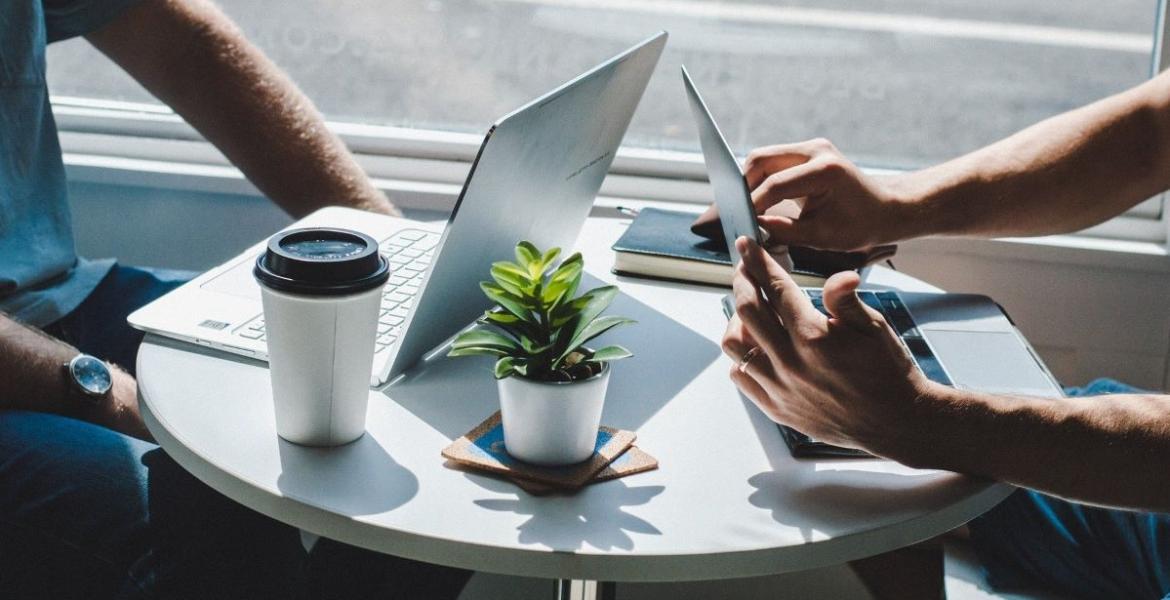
1107,450
1063,174
192,57
34,380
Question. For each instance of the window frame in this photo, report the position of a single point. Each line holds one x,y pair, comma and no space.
143,144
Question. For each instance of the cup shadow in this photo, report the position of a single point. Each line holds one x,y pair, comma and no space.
453,395
359,478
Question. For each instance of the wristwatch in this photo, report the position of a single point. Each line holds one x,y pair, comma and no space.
88,378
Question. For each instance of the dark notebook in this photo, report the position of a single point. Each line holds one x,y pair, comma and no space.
660,244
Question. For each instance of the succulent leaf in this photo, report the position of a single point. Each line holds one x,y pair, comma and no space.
597,327
505,367
477,351
549,256
609,353
539,328
484,338
526,255
514,284
512,303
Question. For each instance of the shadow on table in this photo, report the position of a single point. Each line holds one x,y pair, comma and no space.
832,501
825,495
379,485
455,395
593,516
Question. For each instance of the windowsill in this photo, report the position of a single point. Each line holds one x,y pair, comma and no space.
619,189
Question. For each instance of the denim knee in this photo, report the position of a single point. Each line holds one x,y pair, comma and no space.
72,506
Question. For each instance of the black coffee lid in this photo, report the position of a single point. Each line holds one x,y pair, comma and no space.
322,261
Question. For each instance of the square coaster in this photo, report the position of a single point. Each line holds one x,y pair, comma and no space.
483,448
632,461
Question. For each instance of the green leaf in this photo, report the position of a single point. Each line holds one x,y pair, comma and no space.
526,254
531,347
517,286
510,365
510,267
564,281
505,367
477,351
508,301
584,309
549,256
499,317
609,353
573,263
484,338
593,329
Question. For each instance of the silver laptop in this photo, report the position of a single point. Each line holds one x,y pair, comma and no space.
535,178
962,340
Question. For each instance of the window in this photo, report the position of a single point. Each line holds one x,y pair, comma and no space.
894,83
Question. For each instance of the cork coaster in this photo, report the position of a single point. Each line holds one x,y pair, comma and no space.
483,448
632,461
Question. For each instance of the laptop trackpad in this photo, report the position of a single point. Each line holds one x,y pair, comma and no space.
236,281
993,362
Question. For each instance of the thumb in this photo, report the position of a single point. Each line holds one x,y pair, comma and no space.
842,302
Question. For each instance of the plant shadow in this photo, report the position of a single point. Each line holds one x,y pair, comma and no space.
594,516
453,395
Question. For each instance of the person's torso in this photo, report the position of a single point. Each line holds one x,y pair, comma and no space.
39,279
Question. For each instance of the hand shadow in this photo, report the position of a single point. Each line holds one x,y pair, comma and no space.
592,516
832,496
834,501
379,486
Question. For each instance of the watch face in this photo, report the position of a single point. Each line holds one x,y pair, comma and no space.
91,374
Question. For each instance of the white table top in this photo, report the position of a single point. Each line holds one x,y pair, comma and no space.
727,500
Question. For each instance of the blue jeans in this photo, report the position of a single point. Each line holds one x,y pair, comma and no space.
86,512
1035,541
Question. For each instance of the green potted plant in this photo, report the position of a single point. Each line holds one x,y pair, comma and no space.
552,386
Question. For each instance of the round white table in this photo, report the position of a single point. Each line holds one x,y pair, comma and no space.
727,501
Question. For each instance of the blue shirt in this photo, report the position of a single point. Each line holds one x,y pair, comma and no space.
41,277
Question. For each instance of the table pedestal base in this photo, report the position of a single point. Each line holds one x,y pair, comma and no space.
575,589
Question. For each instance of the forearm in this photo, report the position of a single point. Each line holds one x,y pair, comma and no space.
1107,450
192,57
1063,174
34,380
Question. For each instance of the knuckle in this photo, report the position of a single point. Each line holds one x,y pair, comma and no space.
823,145
811,335
754,158
834,165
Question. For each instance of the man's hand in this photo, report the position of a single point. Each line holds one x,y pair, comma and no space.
845,380
841,207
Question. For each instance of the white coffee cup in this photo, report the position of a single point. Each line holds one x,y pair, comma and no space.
321,289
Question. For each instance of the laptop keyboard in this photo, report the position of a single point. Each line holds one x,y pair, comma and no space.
892,308
409,252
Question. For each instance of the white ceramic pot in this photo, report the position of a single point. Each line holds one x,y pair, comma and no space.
550,423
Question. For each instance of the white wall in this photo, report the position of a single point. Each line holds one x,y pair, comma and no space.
1087,316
